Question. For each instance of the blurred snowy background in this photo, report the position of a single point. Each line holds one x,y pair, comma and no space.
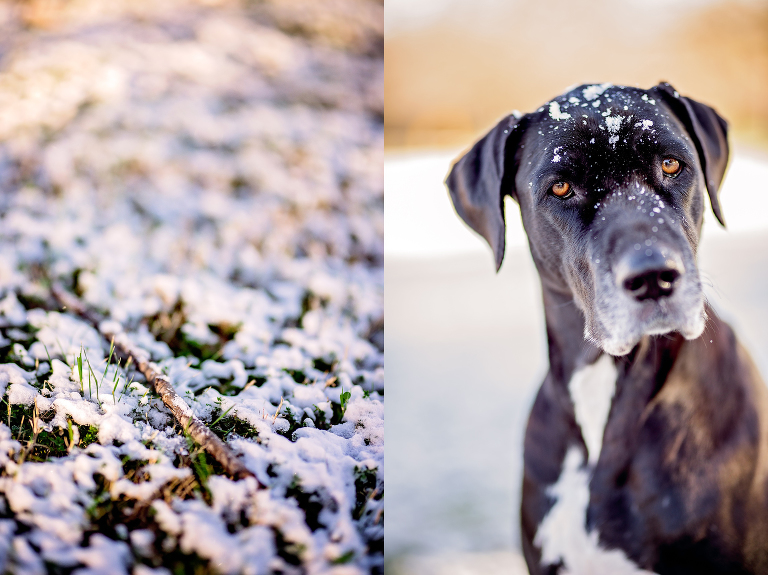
466,348
209,175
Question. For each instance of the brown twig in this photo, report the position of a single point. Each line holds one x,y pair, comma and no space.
193,426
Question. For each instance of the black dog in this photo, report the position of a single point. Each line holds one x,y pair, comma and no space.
646,449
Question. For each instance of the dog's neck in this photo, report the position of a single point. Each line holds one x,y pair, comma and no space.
568,350
637,379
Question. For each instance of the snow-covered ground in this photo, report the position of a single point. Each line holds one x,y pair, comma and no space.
466,352
210,178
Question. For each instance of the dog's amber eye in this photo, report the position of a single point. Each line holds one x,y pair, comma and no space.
561,189
670,166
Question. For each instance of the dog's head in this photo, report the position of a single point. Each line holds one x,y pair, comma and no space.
610,182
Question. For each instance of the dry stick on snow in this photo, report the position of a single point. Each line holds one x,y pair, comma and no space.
196,429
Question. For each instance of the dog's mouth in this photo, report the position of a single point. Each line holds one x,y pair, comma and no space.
660,317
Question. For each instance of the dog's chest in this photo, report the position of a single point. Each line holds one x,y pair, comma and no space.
562,535
591,389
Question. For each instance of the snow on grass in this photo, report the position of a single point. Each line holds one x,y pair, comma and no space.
213,186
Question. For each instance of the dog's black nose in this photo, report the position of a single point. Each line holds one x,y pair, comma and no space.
649,273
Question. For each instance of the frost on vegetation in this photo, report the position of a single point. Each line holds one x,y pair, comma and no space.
209,181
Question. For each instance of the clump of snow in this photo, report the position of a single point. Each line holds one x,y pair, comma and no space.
594,91
555,113
613,123
646,124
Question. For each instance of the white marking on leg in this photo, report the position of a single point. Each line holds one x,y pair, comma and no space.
592,388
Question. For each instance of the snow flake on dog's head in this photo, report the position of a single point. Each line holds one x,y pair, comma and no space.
595,90
555,113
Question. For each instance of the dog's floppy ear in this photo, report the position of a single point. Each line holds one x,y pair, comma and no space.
710,135
480,179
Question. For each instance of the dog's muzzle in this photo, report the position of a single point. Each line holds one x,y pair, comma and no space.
646,280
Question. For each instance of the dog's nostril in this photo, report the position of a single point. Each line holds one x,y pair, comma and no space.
635,284
652,284
644,275
667,278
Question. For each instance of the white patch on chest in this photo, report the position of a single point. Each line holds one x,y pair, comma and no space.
562,535
591,390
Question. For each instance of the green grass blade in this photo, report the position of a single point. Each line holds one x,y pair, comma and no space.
106,367
50,361
63,355
222,416
80,367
